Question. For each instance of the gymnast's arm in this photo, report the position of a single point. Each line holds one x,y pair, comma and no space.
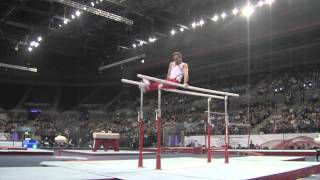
169,69
185,74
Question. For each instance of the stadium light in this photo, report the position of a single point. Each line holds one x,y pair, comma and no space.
248,10
260,3
269,2
78,13
173,32
32,43
223,15
36,44
152,39
201,22
194,25
215,18
235,11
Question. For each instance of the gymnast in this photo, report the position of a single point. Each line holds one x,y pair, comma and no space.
176,71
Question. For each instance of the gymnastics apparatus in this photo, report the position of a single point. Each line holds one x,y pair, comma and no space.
211,94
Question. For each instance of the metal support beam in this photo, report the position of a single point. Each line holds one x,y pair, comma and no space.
122,62
95,11
31,10
23,68
12,11
119,3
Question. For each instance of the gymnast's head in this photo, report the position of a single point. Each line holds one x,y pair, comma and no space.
177,57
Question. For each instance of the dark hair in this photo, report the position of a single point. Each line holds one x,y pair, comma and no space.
177,53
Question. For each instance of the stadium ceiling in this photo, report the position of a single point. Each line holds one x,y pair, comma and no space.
56,21
69,32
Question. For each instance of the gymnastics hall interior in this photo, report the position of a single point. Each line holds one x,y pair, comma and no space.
235,89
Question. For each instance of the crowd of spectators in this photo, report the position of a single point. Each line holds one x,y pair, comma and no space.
295,119
291,81
186,112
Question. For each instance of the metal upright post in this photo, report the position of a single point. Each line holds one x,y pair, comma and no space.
158,158
209,131
226,153
140,119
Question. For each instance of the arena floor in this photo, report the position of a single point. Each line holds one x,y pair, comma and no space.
174,166
101,152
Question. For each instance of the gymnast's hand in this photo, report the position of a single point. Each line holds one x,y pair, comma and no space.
185,85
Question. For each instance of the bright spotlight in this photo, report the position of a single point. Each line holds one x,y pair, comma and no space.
269,2
151,40
100,0
59,25
65,21
235,11
215,18
32,43
72,16
39,38
78,13
201,22
193,25
142,61
134,45
29,49
84,8
92,4
248,10
181,29
260,3
141,42
36,44
223,15
173,32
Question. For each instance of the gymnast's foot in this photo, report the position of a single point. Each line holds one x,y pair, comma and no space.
144,87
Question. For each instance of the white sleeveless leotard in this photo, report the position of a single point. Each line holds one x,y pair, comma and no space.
176,71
